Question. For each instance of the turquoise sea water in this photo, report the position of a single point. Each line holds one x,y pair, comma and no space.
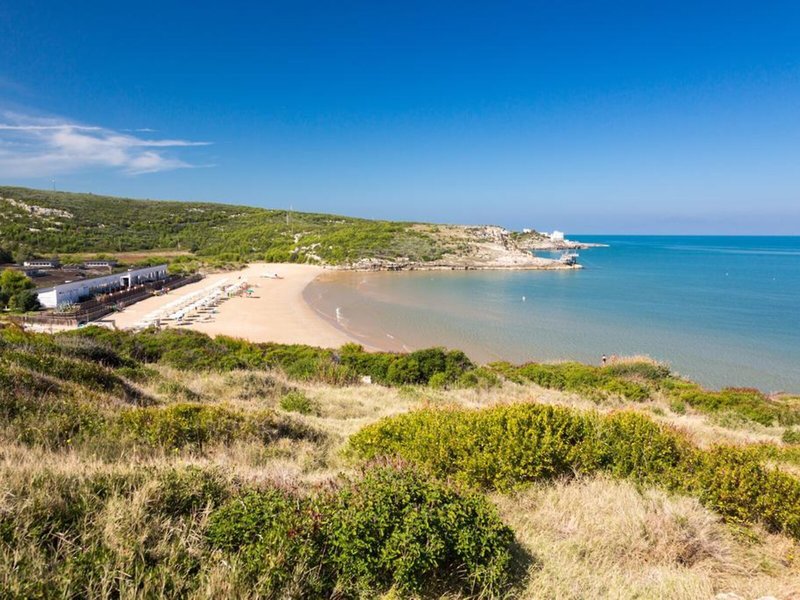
721,310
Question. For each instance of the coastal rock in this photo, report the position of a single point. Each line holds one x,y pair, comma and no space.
487,247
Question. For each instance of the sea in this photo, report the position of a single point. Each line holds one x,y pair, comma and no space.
723,311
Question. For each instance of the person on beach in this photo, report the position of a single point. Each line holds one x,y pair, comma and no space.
603,360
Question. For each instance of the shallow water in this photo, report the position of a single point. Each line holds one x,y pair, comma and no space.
721,310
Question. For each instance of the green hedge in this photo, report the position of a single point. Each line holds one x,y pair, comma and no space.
504,447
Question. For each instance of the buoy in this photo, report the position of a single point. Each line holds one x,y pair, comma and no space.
523,298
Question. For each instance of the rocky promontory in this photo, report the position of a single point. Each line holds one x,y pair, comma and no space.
478,248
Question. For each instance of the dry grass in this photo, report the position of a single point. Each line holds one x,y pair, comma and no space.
600,538
589,538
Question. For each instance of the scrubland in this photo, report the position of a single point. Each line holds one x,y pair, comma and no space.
168,464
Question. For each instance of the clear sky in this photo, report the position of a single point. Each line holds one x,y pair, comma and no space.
637,117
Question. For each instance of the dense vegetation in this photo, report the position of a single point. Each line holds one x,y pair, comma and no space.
643,380
124,477
358,538
16,292
503,447
390,529
185,349
81,223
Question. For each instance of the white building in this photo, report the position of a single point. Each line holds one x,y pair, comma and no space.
100,264
42,263
557,236
75,291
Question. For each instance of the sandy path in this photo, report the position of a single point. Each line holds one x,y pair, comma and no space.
276,312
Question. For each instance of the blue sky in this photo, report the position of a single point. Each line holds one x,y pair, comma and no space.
640,117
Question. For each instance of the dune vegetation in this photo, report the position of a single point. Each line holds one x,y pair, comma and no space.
170,464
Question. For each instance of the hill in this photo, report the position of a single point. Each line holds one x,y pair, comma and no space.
38,222
169,464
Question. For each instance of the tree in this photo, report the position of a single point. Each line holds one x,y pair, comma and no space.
5,256
17,292
24,301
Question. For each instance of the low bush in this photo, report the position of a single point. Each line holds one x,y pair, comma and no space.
399,529
174,390
255,385
187,491
182,424
36,411
298,402
640,380
415,368
747,402
480,378
791,436
194,426
634,381
508,446
389,529
80,372
276,543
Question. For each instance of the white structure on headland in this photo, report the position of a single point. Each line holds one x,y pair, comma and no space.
75,291
556,236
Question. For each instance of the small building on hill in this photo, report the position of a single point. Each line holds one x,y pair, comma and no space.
77,291
42,263
100,264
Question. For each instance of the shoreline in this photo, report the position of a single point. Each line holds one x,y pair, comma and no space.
276,312
279,310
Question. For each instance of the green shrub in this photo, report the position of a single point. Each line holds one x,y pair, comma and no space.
498,448
389,529
399,529
35,411
629,390
438,381
480,378
139,373
298,402
644,370
194,426
277,542
749,403
416,368
791,436
189,490
639,381
677,406
177,391
507,446
736,484
182,424
254,385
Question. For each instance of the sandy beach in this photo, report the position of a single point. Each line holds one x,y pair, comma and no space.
276,311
